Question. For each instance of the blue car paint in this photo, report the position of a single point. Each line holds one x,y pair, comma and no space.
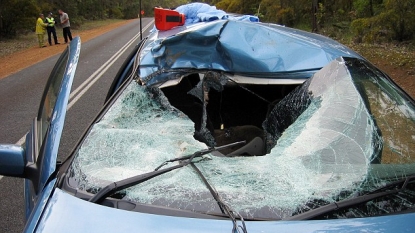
51,144
35,202
66,213
58,211
29,192
38,209
13,156
238,47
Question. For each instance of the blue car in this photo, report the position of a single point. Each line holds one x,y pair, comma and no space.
226,125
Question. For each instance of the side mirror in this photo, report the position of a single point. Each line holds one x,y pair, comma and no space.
12,160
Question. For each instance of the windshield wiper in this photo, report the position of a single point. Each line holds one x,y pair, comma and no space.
128,182
226,209
388,189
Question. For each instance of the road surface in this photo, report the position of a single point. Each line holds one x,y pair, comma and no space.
20,95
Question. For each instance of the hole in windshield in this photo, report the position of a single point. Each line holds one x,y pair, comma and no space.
320,142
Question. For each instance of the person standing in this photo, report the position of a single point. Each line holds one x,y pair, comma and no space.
51,29
40,30
66,26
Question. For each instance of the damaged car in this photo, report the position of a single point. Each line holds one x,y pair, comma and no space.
241,126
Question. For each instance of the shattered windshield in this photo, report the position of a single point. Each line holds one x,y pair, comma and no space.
345,130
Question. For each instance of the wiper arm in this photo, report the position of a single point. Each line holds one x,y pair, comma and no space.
203,152
128,182
399,185
226,209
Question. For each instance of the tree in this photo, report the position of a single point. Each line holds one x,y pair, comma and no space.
17,16
396,21
402,18
369,20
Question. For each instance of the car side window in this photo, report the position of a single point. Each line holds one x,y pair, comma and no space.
49,96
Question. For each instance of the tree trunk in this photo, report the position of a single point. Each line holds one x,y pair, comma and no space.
314,8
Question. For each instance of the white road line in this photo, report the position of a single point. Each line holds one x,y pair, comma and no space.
74,96
98,73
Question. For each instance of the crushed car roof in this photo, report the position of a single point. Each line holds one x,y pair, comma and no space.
266,50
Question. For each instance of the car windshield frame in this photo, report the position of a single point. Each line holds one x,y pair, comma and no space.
374,167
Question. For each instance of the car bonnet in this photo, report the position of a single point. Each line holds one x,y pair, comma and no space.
66,213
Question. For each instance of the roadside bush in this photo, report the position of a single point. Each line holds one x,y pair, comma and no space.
337,31
229,6
285,16
395,23
115,13
269,11
17,16
131,11
360,29
400,18
76,22
381,28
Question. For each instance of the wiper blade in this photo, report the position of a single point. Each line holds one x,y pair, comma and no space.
128,182
202,152
398,186
226,209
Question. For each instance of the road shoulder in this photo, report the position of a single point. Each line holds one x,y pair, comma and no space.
15,62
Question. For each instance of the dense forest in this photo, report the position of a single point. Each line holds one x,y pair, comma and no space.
369,21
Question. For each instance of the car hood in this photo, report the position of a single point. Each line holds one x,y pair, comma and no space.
66,213
266,49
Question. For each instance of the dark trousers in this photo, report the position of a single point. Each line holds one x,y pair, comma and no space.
67,34
52,30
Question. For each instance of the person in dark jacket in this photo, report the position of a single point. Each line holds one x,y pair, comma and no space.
51,29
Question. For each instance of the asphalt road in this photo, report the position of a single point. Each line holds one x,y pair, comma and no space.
20,95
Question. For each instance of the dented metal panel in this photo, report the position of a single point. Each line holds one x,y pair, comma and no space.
263,49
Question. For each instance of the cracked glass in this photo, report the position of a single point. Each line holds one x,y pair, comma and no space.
345,130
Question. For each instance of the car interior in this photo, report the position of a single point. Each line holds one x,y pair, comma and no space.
235,112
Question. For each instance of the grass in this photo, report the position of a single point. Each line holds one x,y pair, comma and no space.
14,45
29,40
399,55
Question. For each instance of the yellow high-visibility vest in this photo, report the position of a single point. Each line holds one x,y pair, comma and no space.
51,21
40,26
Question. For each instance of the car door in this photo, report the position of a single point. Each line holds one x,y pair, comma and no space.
36,159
